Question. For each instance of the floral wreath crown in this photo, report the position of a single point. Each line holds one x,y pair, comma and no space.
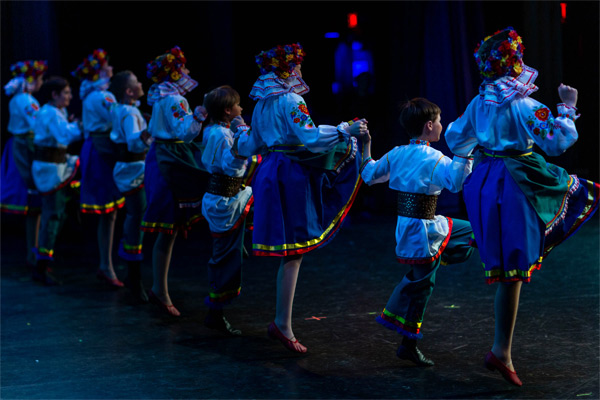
29,69
500,55
280,59
91,66
166,67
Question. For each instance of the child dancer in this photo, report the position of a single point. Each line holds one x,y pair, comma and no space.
225,204
19,194
99,194
423,240
53,169
520,207
302,194
174,181
130,135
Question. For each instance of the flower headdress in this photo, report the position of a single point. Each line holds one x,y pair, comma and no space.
90,68
280,59
29,69
500,55
166,67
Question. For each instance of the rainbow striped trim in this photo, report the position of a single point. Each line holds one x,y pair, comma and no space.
44,254
130,252
513,275
162,227
301,248
251,169
20,210
218,300
590,207
395,322
102,209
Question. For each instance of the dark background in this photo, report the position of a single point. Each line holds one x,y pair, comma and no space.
419,49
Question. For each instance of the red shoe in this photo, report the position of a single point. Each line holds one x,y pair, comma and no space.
492,363
170,308
111,281
275,334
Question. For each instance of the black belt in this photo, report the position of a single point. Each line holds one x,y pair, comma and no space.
416,205
224,185
50,154
28,135
124,155
100,133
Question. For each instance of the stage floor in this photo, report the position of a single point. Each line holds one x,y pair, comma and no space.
84,340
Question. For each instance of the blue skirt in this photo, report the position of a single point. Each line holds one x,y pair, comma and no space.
299,208
521,208
163,213
99,194
15,196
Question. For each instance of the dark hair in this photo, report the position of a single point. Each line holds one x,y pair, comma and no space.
415,113
119,84
217,100
51,85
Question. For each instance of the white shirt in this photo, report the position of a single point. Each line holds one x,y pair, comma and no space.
97,111
284,119
52,129
22,109
222,213
172,119
127,126
419,168
514,125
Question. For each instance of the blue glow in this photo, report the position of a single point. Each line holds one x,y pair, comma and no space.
356,45
359,67
335,87
332,35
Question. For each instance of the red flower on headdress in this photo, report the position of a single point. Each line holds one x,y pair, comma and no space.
29,69
167,67
500,55
90,67
280,59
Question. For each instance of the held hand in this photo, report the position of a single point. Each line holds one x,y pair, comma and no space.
146,138
568,95
237,121
359,128
72,118
201,111
366,138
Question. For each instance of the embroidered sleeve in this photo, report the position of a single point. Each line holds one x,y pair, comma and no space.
300,115
316,139
553,135
183,125
109,102
30,110
107,105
